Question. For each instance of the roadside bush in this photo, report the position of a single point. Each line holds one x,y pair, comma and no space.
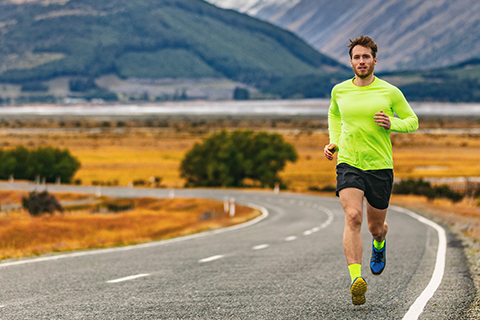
424,188
328,188
139,182
40,203
116,205
227,159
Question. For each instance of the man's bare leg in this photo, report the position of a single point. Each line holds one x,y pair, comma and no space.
376,222
352,203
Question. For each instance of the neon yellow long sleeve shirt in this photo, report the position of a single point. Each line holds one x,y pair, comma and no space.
362,142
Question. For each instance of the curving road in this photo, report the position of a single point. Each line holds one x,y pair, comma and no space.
287,265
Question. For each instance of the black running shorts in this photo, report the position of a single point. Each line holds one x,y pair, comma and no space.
376,184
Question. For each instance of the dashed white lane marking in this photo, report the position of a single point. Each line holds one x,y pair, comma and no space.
211,258
417,307
291,238
129,278
307,233
261,246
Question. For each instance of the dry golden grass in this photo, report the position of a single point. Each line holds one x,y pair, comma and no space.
133,153
152,219
15,197
140,153
464,216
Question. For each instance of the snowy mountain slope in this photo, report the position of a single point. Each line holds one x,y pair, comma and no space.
411,34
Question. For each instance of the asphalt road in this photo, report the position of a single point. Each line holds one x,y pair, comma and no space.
288,265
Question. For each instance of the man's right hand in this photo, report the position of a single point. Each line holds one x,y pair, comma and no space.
329,150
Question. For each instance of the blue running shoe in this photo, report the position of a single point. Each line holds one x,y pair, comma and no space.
378,260
358,290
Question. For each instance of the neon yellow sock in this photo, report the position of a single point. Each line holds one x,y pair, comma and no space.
355,270
378,245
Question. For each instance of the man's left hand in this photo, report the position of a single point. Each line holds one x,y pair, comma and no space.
383,120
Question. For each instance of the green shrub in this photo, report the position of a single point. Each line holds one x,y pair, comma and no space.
424,188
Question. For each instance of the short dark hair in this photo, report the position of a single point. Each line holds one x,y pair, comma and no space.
363,41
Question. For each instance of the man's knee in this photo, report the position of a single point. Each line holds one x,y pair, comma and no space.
353,218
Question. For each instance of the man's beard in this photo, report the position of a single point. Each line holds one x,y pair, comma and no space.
365,75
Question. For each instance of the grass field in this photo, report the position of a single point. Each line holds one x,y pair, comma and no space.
114,155
120,157
151,219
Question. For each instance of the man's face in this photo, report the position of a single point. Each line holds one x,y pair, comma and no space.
362,61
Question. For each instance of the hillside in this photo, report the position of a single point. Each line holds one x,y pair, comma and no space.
459,83
143,39
412,34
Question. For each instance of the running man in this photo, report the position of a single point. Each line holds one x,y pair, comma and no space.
360,119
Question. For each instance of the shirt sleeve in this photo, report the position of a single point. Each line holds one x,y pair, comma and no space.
334,120
407,120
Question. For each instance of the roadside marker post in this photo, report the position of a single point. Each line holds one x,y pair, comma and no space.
225,204
232,207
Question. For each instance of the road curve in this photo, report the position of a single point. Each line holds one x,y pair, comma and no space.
289,265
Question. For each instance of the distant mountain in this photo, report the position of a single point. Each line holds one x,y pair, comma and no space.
459,83
411,34
45,39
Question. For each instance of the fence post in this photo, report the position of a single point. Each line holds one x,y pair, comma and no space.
232,207
225,205
10,179
276,190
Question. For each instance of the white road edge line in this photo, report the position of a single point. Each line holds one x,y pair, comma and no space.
145,245
211,258
261,246
417,307
129,278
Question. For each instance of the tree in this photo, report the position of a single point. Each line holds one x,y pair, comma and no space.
227,159
241,94
48,162
52,162
7,164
